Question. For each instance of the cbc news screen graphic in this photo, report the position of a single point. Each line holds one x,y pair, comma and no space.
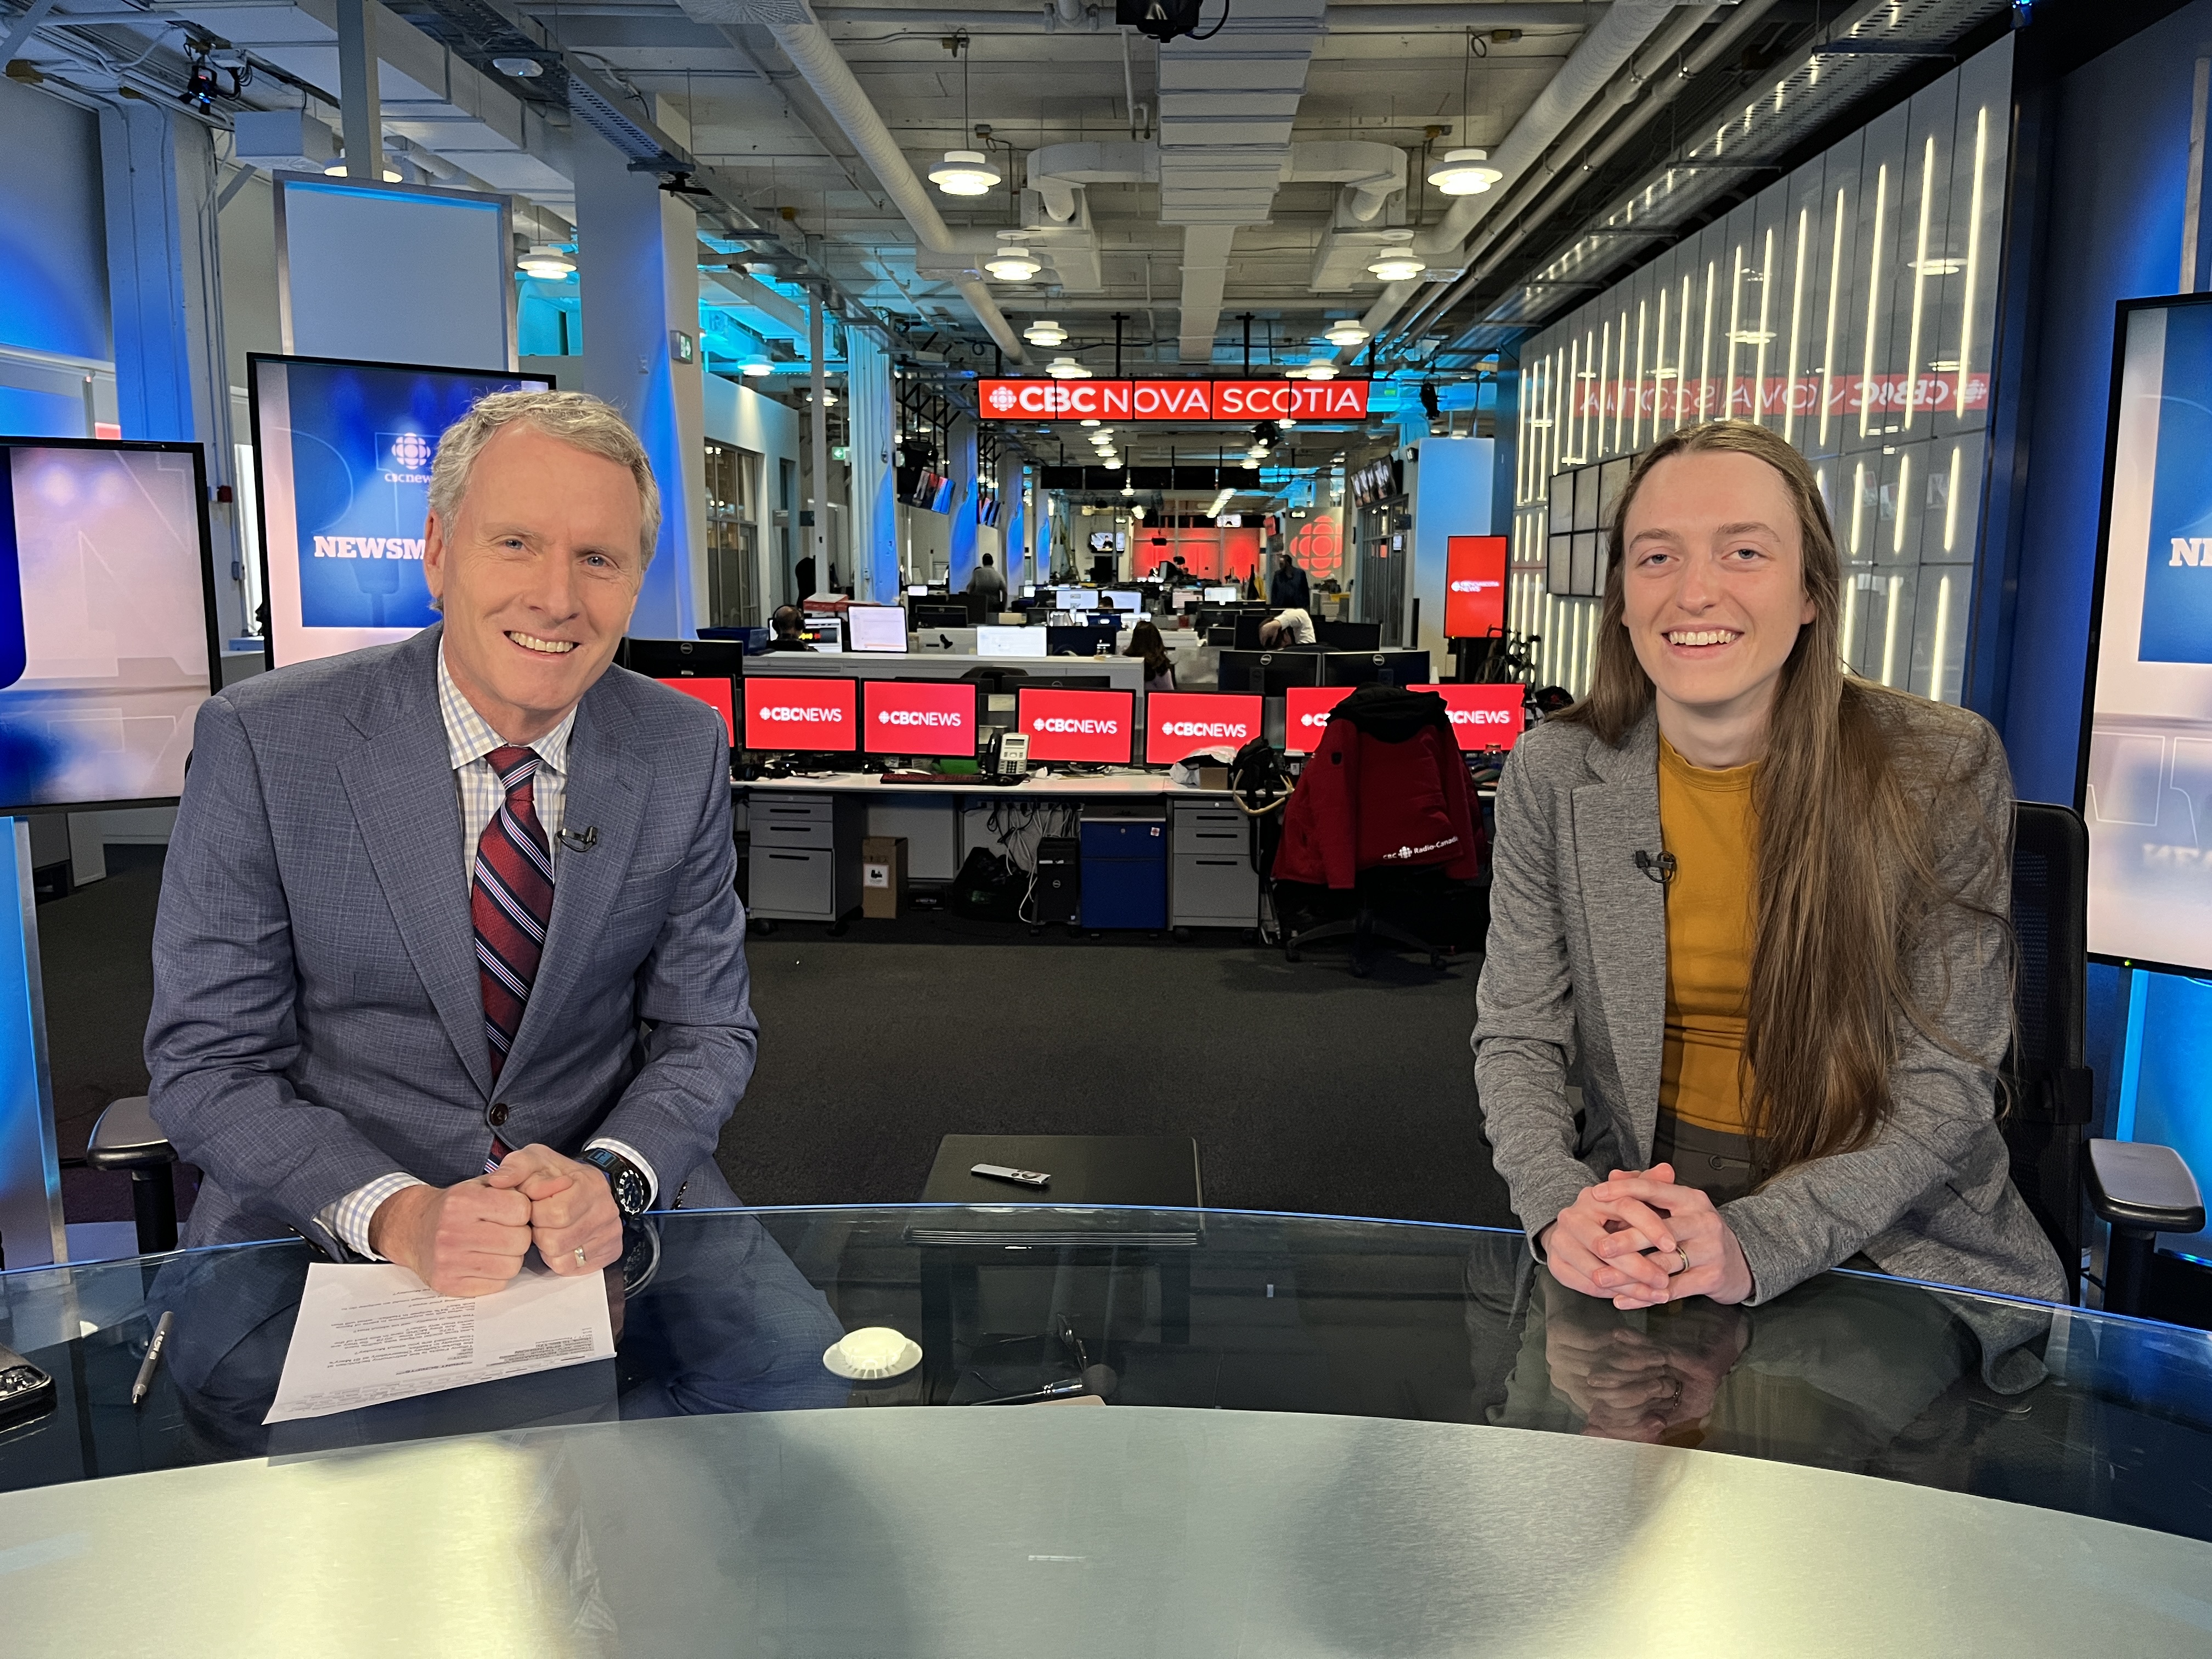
2148,794
103,624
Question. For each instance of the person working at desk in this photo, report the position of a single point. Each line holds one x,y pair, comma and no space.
1287,586
988,584
1287,627
784,628
422,900
1144,642
1766,901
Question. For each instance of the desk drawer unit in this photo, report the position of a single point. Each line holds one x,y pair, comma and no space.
786,832
794,884
1214,883
803,864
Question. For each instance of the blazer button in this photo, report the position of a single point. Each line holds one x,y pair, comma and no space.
497,1116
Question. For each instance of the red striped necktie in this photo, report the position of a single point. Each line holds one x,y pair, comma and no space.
511,901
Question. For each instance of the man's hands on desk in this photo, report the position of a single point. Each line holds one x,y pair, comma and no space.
470,1239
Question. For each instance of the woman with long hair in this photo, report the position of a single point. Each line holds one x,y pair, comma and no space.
1764,903
1144,642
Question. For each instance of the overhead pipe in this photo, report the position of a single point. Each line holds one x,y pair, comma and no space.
1554,190
812,51
1342,19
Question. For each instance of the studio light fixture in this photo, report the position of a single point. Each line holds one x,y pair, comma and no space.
547,262
520,69
1397,266
1464,173
754,368
965,173
1113,463
1066,369
1129,489
337,170
1045,333
1348,333
1013,265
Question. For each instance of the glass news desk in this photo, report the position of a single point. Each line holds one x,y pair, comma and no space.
1298,1436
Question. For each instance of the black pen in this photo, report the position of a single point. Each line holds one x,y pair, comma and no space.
152,1358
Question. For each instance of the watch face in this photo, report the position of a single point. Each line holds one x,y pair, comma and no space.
629,1192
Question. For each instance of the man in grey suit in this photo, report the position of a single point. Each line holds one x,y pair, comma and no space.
449,961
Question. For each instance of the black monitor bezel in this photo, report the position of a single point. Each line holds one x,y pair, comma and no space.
154,446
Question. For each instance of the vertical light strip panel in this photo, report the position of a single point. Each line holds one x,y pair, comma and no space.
1682,352
1734,333
1937,688
1765,333
1889,632
1792,368
1835,304
1919,283
1705,342
1951,500
1973,260
1636,421
1904,500
1873,305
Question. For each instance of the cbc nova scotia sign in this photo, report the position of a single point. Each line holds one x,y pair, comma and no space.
1172,400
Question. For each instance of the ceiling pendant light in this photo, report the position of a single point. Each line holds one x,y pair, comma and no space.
1013,265
1348,333
1089,420
1113,463
1045,333
1464,174
1399,266
964,173
1321,368
1066,369
547,262
754,368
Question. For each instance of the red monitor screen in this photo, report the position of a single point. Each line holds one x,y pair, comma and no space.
716,693
1305,714
1483,716
809,716
1180,723
1474,586
902,717
1078,726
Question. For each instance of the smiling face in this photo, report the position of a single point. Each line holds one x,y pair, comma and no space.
1713,595
537,574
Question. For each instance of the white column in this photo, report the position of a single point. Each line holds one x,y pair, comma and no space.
962,466
870,421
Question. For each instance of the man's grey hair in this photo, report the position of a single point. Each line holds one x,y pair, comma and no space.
575,418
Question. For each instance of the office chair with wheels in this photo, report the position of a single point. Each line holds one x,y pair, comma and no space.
125,1137
2139,1190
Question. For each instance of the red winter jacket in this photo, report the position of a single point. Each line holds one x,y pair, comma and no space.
1385,787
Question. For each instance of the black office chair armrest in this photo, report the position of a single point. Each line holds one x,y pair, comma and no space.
2143,1188
127,1138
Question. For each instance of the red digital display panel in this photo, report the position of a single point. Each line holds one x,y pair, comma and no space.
716,695
1474,586
1172,400
1305,714
805,715
902,717
1483,716
1180,723
1098,726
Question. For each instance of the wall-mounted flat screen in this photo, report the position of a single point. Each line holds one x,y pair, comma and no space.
107,636
1180,723
1474,586
1097,727
801,715
342,454
918,717
2145,780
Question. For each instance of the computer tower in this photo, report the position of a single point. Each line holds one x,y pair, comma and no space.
1058,893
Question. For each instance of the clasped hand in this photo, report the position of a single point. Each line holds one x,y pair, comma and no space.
470,1239
1627,1237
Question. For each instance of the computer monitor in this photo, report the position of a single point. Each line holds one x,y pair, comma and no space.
1305,714
877,627
915,590
1229,595
1080,641
1184,598
342,456
918,717
1484,716
107,630
823,630
708,670
993,641
1348,635
942,614
1094,727
1076,598
1180,723
1029,590
801,713
1123,599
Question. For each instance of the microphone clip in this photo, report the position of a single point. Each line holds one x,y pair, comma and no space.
588,836
1661,869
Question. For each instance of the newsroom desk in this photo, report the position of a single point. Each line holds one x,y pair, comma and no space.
805,835
1373,1438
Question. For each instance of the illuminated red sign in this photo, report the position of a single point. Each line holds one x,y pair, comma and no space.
1305,714
1474,586
1483,716
1180,723
1078,726
902,717
809,715
715,694
1172,400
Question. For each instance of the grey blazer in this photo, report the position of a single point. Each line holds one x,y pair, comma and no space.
317,1018
1578,966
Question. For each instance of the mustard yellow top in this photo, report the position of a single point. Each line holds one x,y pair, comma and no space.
1706,821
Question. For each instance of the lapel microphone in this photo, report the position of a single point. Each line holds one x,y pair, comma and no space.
1661,869
589,836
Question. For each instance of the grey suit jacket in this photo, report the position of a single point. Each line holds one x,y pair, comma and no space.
317,1017
1578,965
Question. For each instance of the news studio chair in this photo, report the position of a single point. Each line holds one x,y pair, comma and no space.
126,1138
2138,1189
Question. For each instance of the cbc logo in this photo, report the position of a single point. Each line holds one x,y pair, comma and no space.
1467,585
1089,728
814,716
1203,729
916,717
1002,399
1314,718
411,451
1479,716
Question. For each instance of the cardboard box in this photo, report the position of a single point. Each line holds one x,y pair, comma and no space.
882,876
